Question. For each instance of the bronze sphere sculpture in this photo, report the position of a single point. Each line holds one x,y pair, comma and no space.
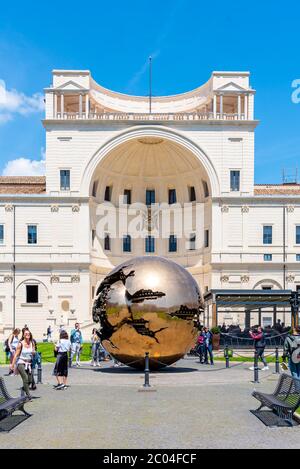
148,304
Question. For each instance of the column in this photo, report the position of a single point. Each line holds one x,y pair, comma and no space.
239,106
214,315
62,106
87,106
274,315
221,106
215,106
259,316
247,319
55,106
246,106
80,106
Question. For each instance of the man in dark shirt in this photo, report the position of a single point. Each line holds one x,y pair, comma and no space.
260,344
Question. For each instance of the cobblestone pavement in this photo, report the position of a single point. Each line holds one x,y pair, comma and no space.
194,406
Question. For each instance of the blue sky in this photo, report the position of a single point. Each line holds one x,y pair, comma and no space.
189,39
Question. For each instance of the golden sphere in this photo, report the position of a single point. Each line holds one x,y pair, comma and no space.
148,304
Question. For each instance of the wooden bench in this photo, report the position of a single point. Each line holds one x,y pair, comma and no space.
285,400
8,404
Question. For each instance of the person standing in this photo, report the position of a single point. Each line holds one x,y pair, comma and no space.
208,346
95,348
291,349
24,354
49,334
201,346
13,342
259,344
62,348
76,344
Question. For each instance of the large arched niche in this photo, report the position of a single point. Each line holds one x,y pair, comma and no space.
181,147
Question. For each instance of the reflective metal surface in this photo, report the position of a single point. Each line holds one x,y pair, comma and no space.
147,305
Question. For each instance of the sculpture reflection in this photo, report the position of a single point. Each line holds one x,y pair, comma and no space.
147,306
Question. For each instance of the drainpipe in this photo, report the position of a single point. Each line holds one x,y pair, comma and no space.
14,269
284,248
284,256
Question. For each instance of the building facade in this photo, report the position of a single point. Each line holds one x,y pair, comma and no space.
110,152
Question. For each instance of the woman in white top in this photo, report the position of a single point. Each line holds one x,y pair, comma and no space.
13,342
24,354
62,348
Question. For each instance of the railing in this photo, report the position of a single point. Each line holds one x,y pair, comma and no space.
243,342
150,117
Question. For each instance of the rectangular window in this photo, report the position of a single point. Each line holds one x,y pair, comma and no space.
205,189
172,196
150,244
1,234
32,294
192,246
298,234
298,257
95,189
235,181
173,243
206,239
32,234
107,242
267,234
127,243
267,321
108,193
192,193
93,237
150,197
65,180
127,196
268,257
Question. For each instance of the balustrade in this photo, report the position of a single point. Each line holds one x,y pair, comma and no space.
109,116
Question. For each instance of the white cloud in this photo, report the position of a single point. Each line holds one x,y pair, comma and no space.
14,102
139,74
26,167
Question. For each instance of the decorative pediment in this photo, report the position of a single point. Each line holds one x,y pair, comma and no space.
231,87
70,86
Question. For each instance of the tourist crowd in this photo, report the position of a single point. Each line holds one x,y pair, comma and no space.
23,355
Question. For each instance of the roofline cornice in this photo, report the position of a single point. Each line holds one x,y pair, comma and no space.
257,198
69,122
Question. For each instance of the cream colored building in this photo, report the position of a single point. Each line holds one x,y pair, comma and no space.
195,148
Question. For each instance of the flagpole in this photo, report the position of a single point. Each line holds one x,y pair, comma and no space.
150,84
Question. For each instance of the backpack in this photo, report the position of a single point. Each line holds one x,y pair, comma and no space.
6,346
294,343
295,349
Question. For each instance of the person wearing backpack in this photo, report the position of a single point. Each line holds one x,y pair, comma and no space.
291,350
76,344
208,346
12,344
23,360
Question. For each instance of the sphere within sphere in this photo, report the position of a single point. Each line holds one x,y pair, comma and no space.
147,305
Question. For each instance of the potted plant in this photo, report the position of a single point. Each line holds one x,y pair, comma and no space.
216,332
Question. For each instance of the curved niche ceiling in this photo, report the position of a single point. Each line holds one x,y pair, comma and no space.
150,157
